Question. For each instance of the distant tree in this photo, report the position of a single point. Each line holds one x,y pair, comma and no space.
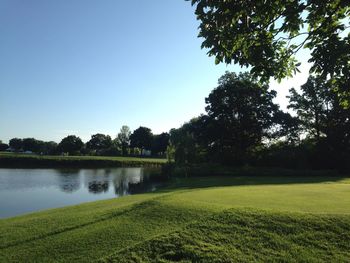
49,148
240,114
123,139
31,144
16,144
115,149
3,146
160,143
187,142
71,144
141,138
99,142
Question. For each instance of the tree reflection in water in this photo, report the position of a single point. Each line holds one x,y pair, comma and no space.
124,180
68,180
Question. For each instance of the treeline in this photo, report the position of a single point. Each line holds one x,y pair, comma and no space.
140,142
243,126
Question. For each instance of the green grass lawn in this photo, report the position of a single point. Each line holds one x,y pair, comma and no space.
205,219
18,160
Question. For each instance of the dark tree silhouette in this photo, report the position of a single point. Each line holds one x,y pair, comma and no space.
16,144
31,144
99,142
141,138
241,113
160,143
71,144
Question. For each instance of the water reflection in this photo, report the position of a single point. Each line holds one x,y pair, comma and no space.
123,180
25,190
68,180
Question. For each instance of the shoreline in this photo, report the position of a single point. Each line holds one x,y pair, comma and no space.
46,161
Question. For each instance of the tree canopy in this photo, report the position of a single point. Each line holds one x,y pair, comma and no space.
99,142
160,143
267,35
141,138
71,144
241,113
123,138
16,144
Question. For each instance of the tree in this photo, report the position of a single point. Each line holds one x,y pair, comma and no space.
16,144
141,138
3,146
123,139
99,142
71,144
49,147
313,105
31,144
160,143
187,144
267,35
240,114
287,128
319,107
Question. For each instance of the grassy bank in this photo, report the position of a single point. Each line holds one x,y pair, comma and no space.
11,160
208,219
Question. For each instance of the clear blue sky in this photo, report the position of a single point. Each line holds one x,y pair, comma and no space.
87,66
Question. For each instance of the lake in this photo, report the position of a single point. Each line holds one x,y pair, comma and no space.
28,190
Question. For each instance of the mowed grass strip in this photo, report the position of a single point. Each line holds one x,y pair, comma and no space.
96,230
249,236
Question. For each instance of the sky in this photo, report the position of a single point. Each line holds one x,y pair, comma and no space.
85,66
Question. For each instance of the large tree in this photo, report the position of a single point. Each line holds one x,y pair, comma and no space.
33,145
312,104
318,105
160,143
3,146
240,114
71,144
99,142
141,138
267,35
16,144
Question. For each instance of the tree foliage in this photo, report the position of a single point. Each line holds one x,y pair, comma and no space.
160,143
241,113
16,144
319,108
188,147
3,146
99,142
123,138
71,144
267,35
141,138
31,144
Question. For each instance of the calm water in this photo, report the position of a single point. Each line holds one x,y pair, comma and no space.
27,190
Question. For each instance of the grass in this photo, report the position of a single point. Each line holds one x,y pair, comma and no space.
15,160
222,219
247,236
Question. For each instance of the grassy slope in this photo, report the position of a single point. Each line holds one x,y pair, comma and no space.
193,221
28,160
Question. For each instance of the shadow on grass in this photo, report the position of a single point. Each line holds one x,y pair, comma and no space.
204,177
